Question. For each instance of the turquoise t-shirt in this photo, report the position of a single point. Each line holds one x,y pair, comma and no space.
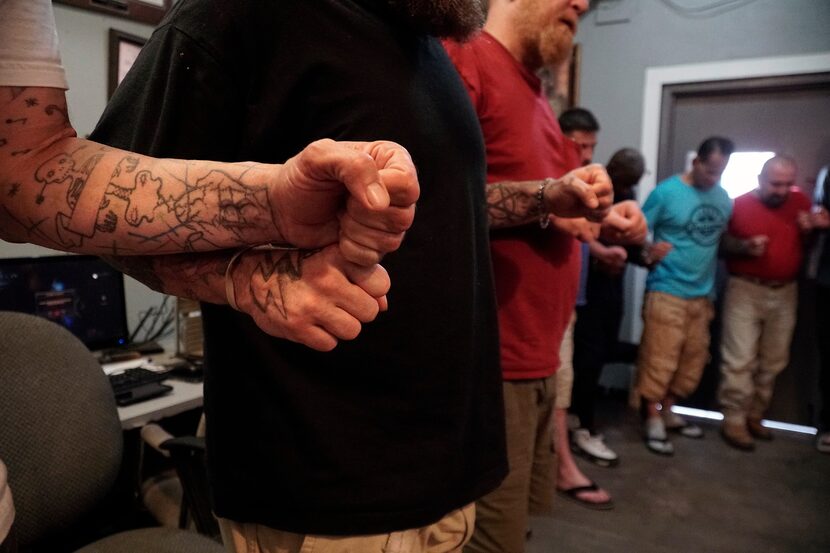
692,221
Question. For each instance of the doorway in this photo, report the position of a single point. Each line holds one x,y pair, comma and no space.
776,104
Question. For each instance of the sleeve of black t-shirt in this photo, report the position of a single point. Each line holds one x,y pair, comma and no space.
178,100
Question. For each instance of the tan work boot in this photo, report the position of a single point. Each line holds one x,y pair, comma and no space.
757,430
736,434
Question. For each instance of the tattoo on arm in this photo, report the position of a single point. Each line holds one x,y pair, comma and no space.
511,203
201,276
196,276
17,91
54,108
102,200
274,272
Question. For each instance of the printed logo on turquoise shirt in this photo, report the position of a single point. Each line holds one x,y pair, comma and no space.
705,225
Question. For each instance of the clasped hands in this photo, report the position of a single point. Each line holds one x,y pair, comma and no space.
581,205
343,205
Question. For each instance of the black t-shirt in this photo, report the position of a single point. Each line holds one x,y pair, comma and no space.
397,428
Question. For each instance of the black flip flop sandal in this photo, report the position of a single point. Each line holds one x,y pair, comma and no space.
573,495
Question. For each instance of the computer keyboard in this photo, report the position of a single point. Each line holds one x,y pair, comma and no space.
137,384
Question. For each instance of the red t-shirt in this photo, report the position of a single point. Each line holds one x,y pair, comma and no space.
536,270
784,252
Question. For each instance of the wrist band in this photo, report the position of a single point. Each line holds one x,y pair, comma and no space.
230,293
544,215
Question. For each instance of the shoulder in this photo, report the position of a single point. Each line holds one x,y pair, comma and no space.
745,203
656,198
464,55
467,59
670,182
723,196
227,29
799,198
666,187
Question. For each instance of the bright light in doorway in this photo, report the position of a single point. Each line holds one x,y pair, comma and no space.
715,416
741,174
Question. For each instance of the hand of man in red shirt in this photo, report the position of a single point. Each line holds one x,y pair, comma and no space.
584,192
756,245
582,229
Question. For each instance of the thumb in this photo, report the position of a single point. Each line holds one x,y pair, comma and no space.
325,164
364,183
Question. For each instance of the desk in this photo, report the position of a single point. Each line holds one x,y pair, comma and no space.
184,397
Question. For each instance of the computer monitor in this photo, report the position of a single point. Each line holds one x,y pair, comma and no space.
80,292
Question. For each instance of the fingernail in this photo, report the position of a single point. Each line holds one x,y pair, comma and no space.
377,195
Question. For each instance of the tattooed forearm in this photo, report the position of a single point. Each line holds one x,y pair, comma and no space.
195,276
264,277
103,199
512,203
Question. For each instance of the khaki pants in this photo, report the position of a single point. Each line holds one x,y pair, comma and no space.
758,324
445,536
565,372
675,345
502,516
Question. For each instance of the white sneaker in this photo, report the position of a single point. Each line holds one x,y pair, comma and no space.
676,423
656,439
593,448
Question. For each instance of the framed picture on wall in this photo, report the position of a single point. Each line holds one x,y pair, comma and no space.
144,11
124,49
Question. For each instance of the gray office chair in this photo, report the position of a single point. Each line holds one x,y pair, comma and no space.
179,498
61,439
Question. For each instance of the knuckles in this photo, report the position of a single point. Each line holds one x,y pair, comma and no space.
317,149
358,254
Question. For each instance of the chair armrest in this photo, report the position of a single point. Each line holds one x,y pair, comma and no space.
188,455
183,444
155,436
